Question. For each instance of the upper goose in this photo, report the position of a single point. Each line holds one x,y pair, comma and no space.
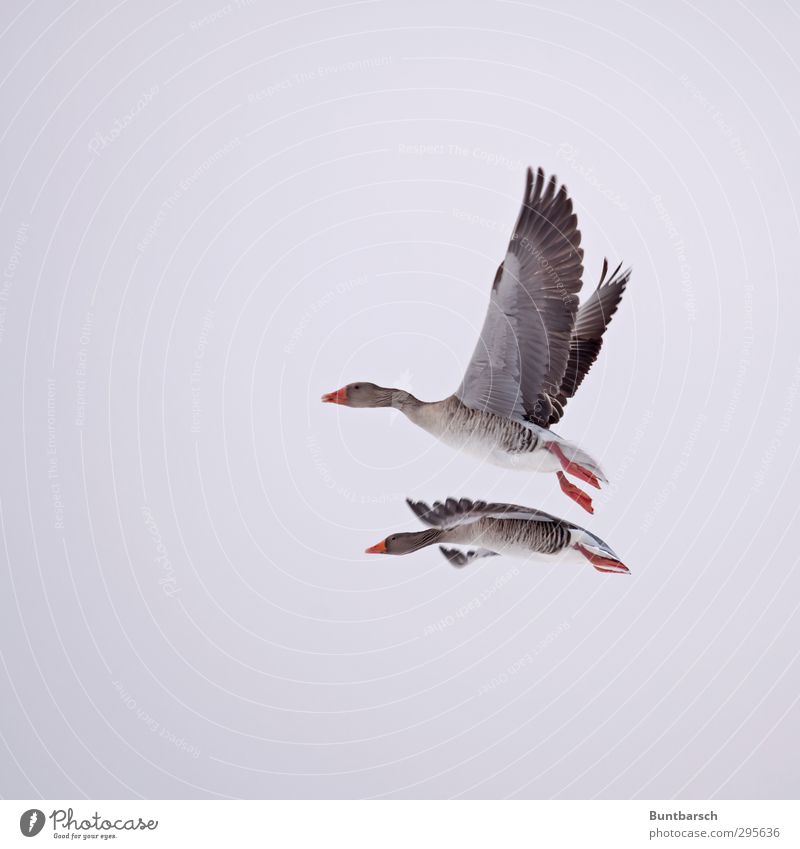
535,348
500,529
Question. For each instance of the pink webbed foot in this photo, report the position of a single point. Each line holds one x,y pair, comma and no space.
573,468
602,564
575,493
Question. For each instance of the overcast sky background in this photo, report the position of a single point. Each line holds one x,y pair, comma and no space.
213,213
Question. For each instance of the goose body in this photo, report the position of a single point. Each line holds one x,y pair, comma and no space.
508,443
535,349
498,528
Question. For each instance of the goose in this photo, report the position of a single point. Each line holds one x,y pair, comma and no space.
499,529
534,351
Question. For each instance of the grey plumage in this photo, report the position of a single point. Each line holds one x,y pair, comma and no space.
498,528
512,436
592,320
536,346
454,512
460,558
535,349
494,526
522,352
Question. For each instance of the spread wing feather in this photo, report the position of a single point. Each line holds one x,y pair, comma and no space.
519,361
592,320
462,511
460,558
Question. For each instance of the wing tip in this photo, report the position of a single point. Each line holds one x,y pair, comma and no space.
533,188
453,556
615,278
419,508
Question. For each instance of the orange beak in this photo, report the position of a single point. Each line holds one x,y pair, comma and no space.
378,548
337,397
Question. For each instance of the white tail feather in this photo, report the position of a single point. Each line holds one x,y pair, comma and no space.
594,544
580,457
589,544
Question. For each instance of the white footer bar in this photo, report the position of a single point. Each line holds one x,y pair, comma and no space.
403,824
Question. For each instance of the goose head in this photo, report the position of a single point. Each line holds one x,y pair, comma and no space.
405,543
361,395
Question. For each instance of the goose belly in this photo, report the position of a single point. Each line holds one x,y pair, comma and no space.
538,460
567,556
509,450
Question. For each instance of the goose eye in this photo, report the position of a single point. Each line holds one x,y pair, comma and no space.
357,386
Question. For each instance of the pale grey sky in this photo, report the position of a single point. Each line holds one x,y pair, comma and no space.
214,213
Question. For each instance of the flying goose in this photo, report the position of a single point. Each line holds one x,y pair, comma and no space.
499,529
535,349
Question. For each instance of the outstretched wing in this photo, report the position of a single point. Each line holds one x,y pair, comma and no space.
519,361
587,338
454,512
462,558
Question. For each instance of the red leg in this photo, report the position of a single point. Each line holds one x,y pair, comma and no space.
575,493
573,468
602,564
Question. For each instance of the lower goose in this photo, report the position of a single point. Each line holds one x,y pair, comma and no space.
500,529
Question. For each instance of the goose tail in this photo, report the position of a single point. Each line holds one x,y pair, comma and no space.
575,461
597,552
